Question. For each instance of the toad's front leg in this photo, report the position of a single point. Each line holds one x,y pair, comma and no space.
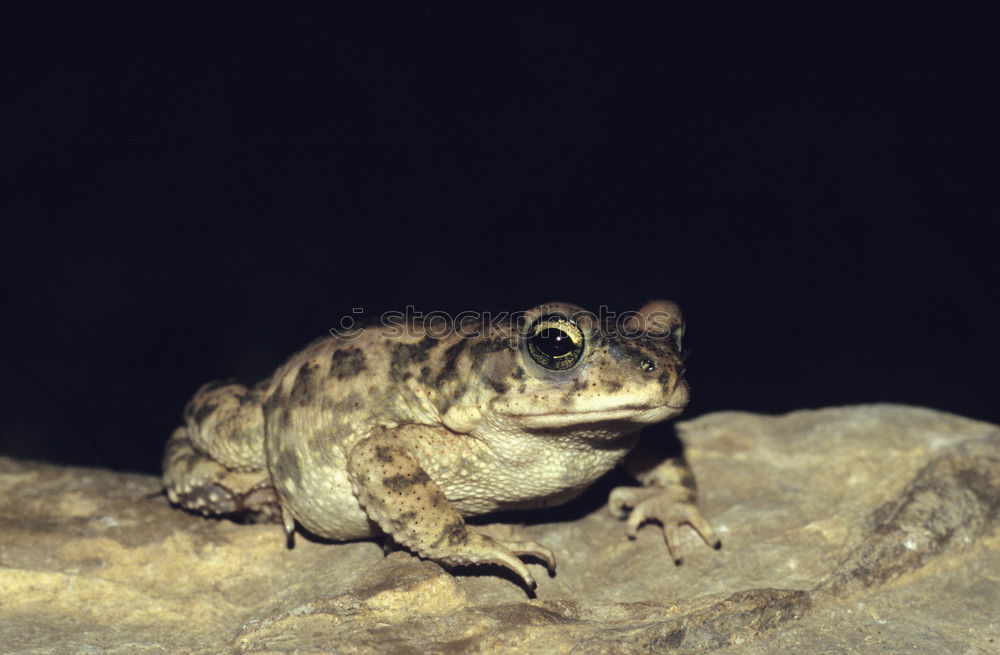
667,497
408,505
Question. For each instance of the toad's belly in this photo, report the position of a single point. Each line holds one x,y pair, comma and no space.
321,500
309,472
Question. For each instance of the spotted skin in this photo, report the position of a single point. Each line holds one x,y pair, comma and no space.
406,433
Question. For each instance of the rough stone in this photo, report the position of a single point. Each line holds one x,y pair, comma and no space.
849,529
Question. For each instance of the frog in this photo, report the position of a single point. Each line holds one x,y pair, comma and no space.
403,431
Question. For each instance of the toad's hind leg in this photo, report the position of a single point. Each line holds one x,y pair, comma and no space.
215,463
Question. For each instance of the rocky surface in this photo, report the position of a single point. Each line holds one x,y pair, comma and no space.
856,529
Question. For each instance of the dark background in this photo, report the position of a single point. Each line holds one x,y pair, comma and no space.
189,194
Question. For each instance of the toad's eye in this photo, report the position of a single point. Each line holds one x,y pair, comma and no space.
555,342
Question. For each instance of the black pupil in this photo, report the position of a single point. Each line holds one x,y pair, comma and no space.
553,342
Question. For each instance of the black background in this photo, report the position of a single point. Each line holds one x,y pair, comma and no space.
192,193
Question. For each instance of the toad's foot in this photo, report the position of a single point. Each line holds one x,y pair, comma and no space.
476,548
671,508
201,484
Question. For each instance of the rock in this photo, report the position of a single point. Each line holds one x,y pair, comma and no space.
849,529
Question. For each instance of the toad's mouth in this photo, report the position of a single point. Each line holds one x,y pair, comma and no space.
640,414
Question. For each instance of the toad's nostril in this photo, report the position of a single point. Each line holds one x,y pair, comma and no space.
647,365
